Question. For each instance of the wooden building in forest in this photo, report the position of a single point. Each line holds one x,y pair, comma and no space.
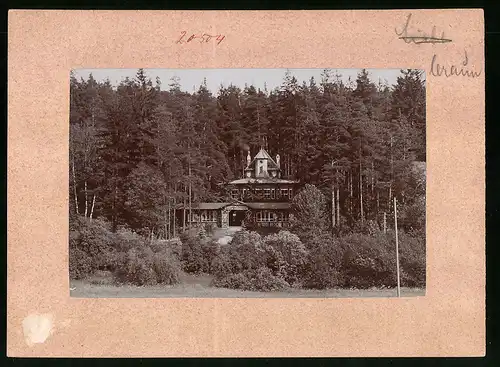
260,198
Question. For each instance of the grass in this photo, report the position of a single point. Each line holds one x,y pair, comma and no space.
199,287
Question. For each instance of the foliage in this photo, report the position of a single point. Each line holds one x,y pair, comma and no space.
197,251
324,265
286,256
260,279
251,262
309,210
90,247
128,255
138,149
371,260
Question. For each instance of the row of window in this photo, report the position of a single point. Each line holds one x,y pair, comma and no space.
260,216
204,216
265,193
267,216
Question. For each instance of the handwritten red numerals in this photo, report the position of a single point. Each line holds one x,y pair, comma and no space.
202,38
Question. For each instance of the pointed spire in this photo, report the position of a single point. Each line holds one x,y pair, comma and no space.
249,158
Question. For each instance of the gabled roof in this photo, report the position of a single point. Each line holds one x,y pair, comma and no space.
262,154
204,206
211,206
217,206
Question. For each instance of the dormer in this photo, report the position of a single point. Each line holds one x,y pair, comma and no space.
262,165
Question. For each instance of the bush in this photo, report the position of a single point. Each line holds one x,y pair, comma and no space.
369,261
411,258
324,264
197,252
141,266
286,256
260,279
167,268
174,246
246,251
80,264
90,247
126,240
252,263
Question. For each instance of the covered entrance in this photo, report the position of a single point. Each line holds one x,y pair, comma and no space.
234,214
236,218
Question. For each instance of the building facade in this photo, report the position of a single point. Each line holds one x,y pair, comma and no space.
261,198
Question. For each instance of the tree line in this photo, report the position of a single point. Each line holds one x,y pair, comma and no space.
138,150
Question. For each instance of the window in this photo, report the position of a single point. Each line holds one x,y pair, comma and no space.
234,193
273,194
266,216
290,193
284,193
259,216
267,193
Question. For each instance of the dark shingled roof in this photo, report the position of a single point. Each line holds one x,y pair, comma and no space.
217,206
269,205
205,206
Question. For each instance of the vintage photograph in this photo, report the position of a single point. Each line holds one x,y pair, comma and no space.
247,183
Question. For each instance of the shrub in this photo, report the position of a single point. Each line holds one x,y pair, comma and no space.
90,247
136,269
252,263
126,239
223,265
286,256
173,246
141,266
80,264
369,261
263,279
260,279
167,268
411,258
197,252
246,251
323,268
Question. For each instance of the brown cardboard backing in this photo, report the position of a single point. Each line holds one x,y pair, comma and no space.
45,45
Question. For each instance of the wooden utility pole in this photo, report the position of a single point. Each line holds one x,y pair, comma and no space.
338,207
175,208
361,189
333,208
190,205
333,204
397,244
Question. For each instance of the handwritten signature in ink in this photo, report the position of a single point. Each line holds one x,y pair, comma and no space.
420,37
202,38
439,70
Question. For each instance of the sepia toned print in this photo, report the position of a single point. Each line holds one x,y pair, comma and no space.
246,186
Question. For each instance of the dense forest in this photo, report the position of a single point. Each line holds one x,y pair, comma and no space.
140,148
